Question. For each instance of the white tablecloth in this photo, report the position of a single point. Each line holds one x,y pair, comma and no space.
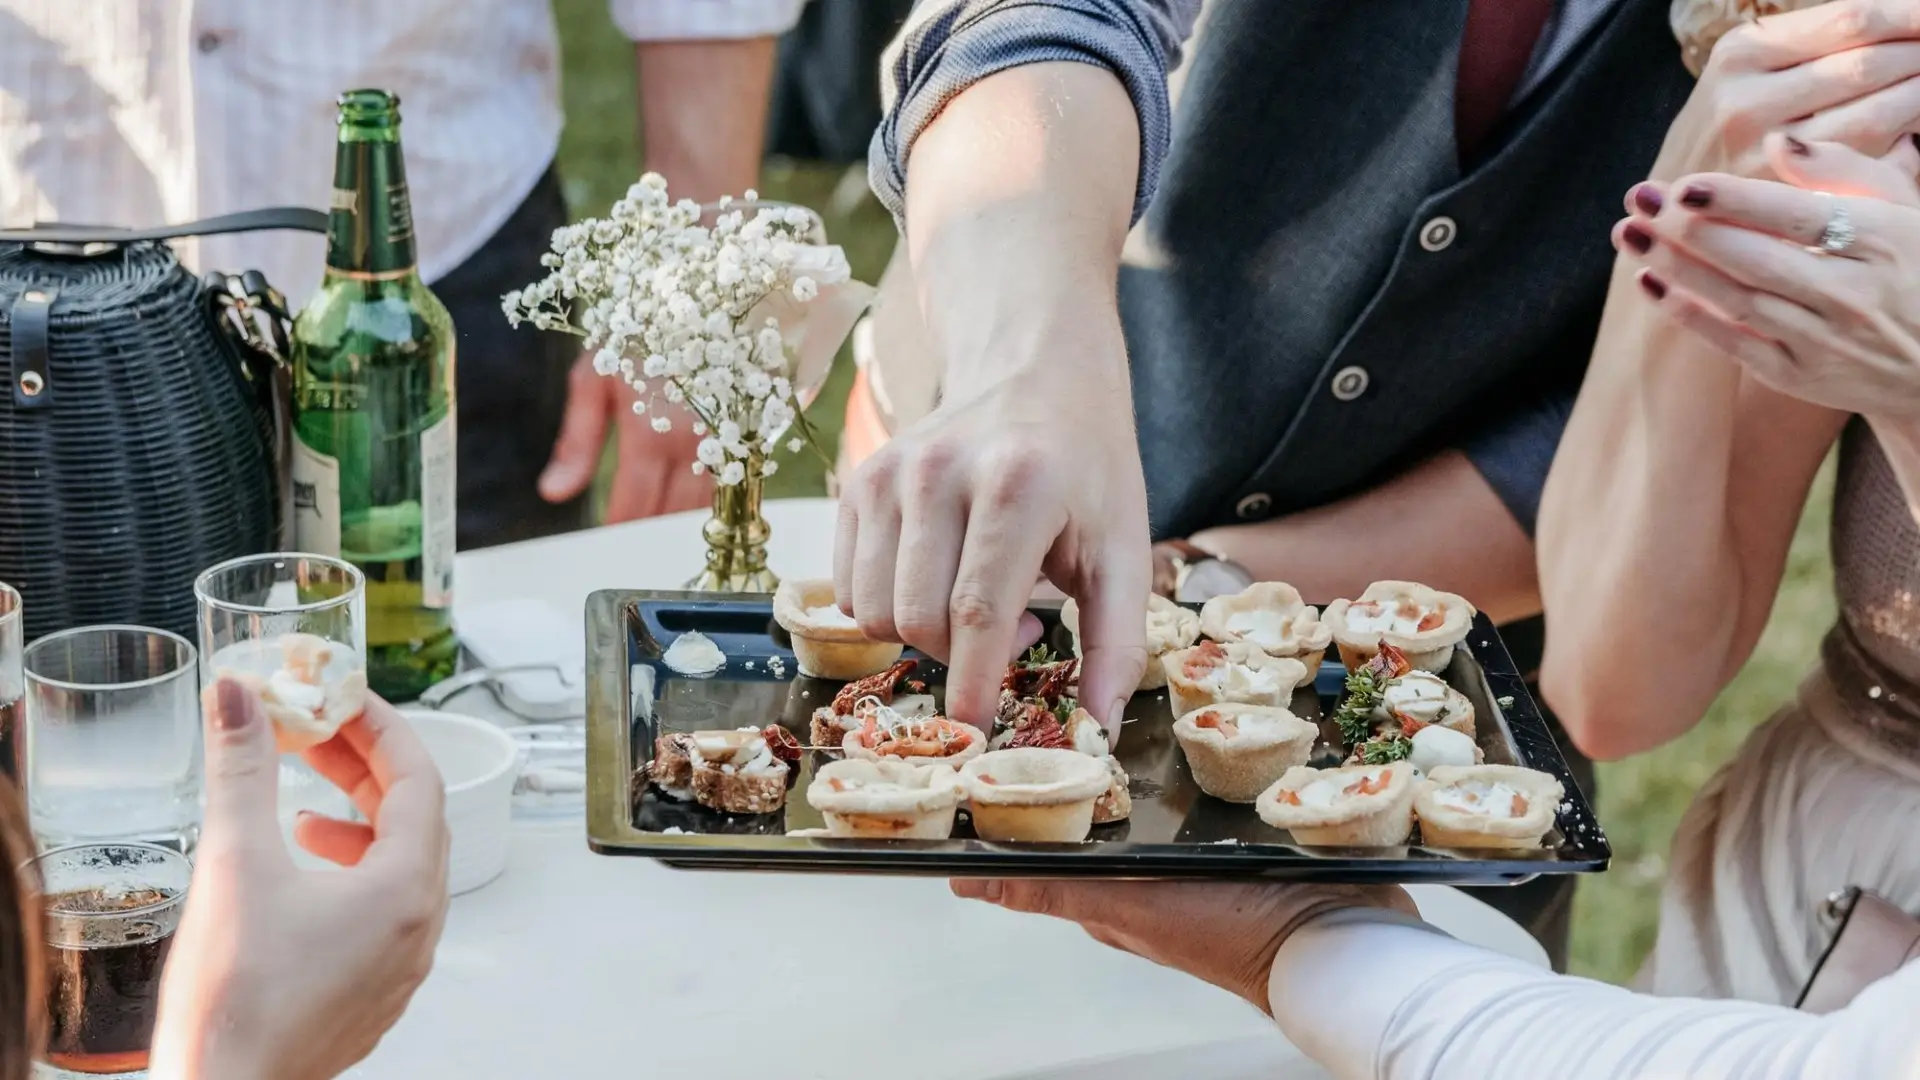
578,966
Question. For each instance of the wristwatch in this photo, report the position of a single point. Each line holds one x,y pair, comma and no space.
1192,575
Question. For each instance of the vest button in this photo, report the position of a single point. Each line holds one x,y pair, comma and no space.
1438,234
1253,506
1350,382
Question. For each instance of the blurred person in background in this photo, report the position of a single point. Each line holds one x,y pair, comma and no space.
147,112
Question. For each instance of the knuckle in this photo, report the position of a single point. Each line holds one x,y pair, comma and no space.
1857,19
972,608
1013,474
932,468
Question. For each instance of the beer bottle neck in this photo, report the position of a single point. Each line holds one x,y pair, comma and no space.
370,222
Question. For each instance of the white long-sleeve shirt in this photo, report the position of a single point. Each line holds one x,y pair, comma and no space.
144,112
1371,996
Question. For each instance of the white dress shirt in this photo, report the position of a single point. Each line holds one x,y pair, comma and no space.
1373,996
143,112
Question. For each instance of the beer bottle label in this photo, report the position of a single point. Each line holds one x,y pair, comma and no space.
316,500
438,461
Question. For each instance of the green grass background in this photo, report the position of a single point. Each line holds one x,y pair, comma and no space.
1640,800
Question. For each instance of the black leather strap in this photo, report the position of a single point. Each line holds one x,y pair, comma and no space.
275,217
32,377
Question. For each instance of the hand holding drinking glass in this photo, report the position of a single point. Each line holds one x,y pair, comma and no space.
297,974
1812,284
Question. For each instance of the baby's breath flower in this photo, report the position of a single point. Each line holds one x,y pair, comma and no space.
660,423
732,473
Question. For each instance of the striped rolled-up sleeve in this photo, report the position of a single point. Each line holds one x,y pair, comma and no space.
704,20
948,45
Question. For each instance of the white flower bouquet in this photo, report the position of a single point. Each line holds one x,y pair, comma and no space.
723,321
713,319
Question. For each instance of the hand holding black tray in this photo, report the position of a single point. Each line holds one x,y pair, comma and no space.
1176,831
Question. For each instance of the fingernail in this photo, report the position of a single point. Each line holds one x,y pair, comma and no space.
1637,238
1648,199
233,713
991,891
1653,285
977,889
1798,148
1696,195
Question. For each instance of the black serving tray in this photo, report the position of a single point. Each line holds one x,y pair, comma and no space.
1176,831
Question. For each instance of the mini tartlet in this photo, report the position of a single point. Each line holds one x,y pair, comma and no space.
926,741
1352,806
1420,699
886,799
1423,623
1487,806
1212,674
1169,627
1270,615
1034,794
1237,751
826,641
306,709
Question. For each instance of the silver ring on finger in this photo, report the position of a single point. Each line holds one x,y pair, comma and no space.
1839,234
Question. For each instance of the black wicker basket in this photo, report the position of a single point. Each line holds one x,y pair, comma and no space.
144,422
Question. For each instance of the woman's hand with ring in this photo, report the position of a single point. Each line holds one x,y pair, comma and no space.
1225,934
1812,284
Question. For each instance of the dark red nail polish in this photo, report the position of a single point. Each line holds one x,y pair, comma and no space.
1647,198
1654,286
1696,195
1798,148
236,710
1637,238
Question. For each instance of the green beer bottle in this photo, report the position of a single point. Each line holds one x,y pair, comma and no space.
373,400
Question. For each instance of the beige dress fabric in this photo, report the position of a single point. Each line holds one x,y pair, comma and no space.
1826,794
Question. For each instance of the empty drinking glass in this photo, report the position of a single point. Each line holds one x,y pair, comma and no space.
113,736
111,910
259,616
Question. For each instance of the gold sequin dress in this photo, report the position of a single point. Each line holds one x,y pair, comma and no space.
1826,794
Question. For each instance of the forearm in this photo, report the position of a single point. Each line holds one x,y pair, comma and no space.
1018,202
1439,523
703,112
1674,493
1440,1009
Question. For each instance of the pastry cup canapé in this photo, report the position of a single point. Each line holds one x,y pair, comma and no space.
737,772
1235,752
1169,627
1425,698
886,799
1116,803
1487,806
1034,795
1424,623
1212,674
1352,806
933,741
827,643
1270,615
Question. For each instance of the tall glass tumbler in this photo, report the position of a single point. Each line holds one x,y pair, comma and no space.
13,711
113,736
250,610
110,914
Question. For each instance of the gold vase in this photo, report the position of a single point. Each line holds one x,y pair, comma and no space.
736,538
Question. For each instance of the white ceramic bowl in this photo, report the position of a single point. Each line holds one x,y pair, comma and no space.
479,764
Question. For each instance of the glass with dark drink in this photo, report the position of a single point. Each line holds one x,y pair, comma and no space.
13,714
111,910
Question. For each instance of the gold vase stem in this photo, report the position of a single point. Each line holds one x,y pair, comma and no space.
736,538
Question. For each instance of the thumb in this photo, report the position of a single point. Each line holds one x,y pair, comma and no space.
243,766
1838,169
583,430
1113,637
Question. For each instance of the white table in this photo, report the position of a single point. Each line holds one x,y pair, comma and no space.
581,966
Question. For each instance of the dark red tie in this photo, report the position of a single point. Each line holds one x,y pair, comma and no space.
1494,51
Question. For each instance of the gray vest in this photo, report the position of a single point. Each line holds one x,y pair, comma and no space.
1330,298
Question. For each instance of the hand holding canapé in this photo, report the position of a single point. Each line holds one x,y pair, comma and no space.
1841,72
297,974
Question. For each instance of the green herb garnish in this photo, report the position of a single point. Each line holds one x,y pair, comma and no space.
1063,709
1038,656
1384,750
1365,688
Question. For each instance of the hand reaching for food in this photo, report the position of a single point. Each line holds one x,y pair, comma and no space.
943,533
